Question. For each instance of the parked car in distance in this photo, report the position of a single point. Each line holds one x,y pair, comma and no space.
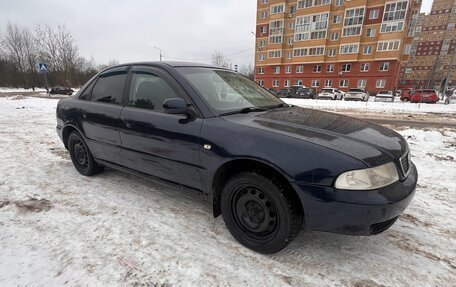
268,168
406,94
330,93
384,96
306,93
285,93
61,91
451,99
356,94
272,91
424,96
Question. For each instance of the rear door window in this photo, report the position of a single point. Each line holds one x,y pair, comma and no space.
109,87
148,91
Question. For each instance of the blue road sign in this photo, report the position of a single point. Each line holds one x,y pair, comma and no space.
43,68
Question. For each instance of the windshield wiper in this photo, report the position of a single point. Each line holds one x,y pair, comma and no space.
244,111
276,106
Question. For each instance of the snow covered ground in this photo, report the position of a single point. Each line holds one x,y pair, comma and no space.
371,106
57,227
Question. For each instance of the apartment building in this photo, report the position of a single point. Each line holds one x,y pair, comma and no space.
333,43
432,62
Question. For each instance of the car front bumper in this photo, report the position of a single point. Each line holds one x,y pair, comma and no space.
354,97
355,212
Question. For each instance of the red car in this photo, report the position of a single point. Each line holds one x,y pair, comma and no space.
424,96
406,94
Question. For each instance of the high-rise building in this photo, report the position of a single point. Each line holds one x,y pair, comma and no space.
333,43
432,62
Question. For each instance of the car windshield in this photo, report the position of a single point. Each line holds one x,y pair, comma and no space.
327,90
306,90
384,92
356,90
226,91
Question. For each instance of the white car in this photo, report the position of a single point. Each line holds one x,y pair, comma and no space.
330,93
384,96
357,95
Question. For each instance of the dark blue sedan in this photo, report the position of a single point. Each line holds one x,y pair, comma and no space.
268,168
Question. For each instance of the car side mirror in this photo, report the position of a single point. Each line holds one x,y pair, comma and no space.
175,106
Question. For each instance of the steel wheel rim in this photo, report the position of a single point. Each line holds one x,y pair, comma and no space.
80,153
255,214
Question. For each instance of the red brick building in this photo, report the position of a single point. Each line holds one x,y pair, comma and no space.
332,43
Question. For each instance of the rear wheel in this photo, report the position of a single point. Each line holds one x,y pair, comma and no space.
81,156
260,213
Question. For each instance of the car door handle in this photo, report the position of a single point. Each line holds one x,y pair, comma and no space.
127,124
84,115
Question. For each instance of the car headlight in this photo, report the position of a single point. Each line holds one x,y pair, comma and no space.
369,178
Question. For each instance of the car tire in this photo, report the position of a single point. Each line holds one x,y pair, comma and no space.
260,212
404,100
81,156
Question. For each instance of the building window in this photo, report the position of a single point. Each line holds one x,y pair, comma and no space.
340,2
261,71
374,13
289,55
349,49
287,83
332,52
299,69
261,57
310,3
328,83
343,83
362,84
367,50
311,27
292,9
262,43
388,45
380,83
261,82
276,31
336,19
370,32
407,49
364,67
275,54
264,1
298,82
288,70
264,14
314,51
346,67
353,22
275,83
263,29
384,66
276,70
330,68
335,36
392,27
395,11
317,68
315,83
279,8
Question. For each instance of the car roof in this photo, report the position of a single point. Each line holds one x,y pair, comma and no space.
173,64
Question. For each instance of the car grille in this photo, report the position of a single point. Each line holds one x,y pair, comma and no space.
381,226
405,163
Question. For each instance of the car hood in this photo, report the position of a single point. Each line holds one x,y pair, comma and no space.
363,140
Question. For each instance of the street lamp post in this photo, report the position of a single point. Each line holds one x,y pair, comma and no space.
160,52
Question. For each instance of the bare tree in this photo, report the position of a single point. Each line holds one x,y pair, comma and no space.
15,47
220,60
248,71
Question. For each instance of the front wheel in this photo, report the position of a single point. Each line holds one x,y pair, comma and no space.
81,156
260,213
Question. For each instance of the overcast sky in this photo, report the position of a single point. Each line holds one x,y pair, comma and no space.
129,30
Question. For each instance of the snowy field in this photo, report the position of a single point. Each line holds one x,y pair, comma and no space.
59,228
371,106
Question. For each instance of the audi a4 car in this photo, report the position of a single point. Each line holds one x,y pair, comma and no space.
270,169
